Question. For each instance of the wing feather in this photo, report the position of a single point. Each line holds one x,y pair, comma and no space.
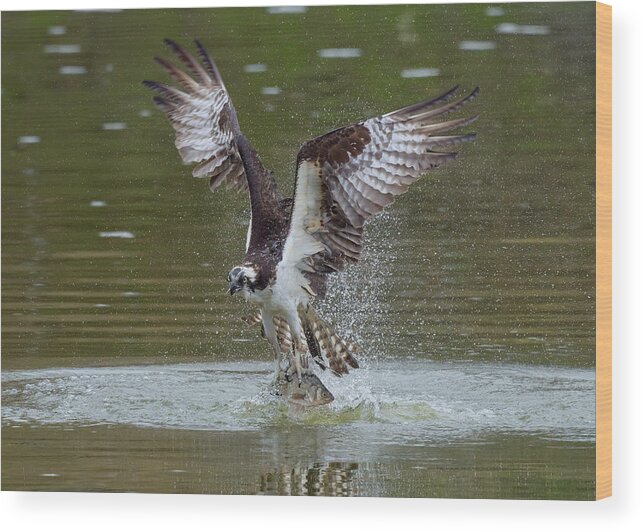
203,118
351,174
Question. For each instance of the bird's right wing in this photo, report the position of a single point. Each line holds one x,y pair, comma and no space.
349,175
203,118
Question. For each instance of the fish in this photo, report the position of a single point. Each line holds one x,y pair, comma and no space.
307,391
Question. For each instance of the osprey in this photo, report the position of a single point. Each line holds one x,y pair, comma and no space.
343,178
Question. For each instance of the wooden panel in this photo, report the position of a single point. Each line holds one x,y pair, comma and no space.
603,251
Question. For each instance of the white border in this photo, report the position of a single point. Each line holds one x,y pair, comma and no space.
107,512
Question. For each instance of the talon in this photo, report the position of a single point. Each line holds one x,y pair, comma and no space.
308,289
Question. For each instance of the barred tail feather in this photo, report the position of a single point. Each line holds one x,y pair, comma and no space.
327,348
281,327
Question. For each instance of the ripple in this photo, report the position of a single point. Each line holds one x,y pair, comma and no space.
114,126
255,68
477,45
29,139
493,11
270,91
420,72
56,30
116,234
521,29
286,10
71,70
62,48
339,53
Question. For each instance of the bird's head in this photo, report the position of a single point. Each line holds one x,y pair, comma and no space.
244,279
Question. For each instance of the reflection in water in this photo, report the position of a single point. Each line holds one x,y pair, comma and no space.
333,479
123,458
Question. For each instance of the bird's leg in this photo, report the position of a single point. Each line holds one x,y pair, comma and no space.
295,361
299,352
271,335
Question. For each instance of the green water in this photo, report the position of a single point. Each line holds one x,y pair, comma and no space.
487,261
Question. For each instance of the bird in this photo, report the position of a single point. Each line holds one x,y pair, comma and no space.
294,244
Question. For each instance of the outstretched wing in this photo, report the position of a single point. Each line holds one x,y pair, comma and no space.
203,117
351,174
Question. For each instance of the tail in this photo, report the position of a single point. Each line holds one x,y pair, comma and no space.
327,348
281,327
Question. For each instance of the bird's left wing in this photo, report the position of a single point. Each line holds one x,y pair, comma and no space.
203,118
347,176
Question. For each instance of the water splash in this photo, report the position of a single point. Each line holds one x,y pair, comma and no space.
393,401
358,298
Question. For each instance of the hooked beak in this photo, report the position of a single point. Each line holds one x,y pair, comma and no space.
233,288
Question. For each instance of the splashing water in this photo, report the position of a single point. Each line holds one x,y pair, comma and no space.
357,297
395,401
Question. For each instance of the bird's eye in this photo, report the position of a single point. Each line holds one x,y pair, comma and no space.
244,279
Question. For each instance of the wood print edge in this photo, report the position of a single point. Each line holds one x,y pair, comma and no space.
603,251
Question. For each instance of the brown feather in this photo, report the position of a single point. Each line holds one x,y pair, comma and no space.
363,167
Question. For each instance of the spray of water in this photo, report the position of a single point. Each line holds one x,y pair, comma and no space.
357,297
